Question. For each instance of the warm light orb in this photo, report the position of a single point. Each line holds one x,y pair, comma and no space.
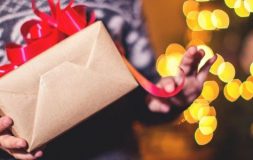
246,90
207,125
202,139
174,47
226,72
217,63
210,90
208,54
248,5
250,78
241,11
232,90
194,109
220,19
233,3
205,20
190,6
203,111
212,111
161,65
192,21
168,65
188,117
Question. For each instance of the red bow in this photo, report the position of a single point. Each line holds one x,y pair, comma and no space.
40,35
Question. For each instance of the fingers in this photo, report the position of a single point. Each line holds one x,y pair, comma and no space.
191,60
202,75
13,145
167,83
5,123
19,154
156,105
11,142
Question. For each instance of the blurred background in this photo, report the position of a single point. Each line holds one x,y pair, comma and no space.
233,138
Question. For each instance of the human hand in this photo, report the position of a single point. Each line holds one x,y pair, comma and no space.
13,145
193,83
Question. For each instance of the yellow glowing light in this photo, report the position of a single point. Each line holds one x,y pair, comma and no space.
251,69
201,101
212,111
190,6
205,20
202,139
226,72
174,47
217,63
242,11
210,90
208,54
233,3
189,118
197,110
203,111
250,79
246,90
232,90
194,109
168,65
192,21
207,125
161,64
220,19
248,5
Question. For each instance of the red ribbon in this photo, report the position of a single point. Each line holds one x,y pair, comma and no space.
42,34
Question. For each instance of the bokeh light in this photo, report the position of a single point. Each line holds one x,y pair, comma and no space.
246,90
192,21
168,64
189,6
210,90
174,47
205,20
188,117
220,19
207,125
232,90
248,5
241,11
217,63
250,78
202,139
194,109
226,72
233,3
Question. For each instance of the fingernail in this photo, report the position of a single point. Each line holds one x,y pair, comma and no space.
21,144
39,154
7,122
169,88
165,108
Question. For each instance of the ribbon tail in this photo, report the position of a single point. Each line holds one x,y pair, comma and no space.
150,87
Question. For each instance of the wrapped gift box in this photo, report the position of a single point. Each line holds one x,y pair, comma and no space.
64,85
